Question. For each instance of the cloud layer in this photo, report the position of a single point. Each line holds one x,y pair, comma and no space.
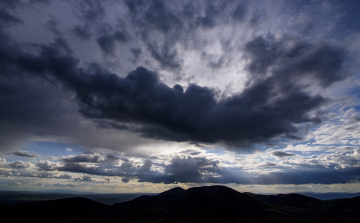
188,92
271,105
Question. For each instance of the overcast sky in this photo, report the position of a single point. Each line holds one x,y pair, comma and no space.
144,95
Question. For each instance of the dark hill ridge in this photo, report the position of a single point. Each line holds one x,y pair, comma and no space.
195,204
198,204
292,200
61,210
76,204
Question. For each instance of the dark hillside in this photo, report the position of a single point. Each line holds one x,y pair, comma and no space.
48,211
293,200
198,204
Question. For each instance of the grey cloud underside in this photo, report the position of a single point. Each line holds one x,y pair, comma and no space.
13,4
91,14
90,10
162,27
322,63
91,157
282,154
24,154
273,101
107,42
6,19
270,105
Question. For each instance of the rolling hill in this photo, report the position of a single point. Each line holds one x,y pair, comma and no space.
198,204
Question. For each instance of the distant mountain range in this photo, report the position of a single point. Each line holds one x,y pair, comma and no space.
18,197
330,195
198,204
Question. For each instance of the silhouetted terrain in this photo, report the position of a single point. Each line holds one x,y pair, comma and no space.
330,195
18,197
198,204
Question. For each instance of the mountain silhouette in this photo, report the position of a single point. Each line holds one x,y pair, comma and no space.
197,204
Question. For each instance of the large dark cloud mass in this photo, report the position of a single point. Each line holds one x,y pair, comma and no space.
272,103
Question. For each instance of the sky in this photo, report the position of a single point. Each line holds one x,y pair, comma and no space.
122,96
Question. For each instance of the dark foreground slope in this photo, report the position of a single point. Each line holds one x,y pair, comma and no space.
18,197
199,204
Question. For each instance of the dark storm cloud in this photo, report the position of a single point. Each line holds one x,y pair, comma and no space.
195,114
40,1
10,3
14,4
271,104
136,53
198,145
183,170
30,106
191,152
107,43
166,56
6,19
176,24
191,169
282,154
24,154
268,165
239,12
355,118
89,10
17,123
82,31
289,62
52,25
125,179
106,124
212,10
145,168
153,15
91,157
91,13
